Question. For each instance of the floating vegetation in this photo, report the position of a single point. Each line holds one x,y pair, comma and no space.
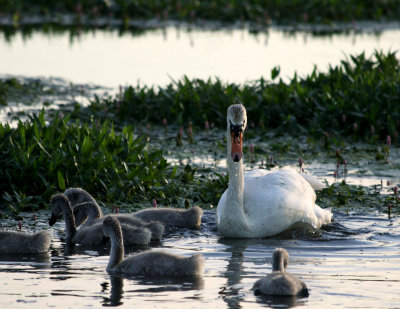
358,198
21,96
13,89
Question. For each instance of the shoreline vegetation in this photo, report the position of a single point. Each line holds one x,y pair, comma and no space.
106,147
319,18
260,12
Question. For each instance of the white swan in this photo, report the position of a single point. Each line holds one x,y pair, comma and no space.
279,282
260,203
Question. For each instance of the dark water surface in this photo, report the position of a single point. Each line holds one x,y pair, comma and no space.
352,263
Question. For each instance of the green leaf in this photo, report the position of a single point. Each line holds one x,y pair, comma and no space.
275,72
86,145
61,181
7,197
41,118
174,172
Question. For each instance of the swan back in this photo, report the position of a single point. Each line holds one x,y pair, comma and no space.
135,236
92,235
17,242
90,212
182,218
156,228
272,202
159,263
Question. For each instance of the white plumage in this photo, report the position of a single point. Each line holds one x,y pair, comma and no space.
261,203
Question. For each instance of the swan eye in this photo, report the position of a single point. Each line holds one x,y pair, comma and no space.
236,129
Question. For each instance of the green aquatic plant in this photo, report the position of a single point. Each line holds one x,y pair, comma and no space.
350,197
39,159
23,91
324,106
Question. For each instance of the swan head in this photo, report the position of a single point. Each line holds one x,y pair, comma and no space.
111,226
237,122
57,203
280,259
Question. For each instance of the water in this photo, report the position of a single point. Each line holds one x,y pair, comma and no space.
109,58
352,263
62,93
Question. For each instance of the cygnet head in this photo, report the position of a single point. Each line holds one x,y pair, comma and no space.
57,203
280,259
111,226
236,123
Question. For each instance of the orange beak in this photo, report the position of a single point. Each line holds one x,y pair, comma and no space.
236,146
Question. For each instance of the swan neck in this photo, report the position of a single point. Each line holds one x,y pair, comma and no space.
236,177
117,249
70,227
93,212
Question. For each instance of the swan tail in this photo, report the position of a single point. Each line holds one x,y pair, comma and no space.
324,216
135,236
315,183
195,214
156,228
195,265
40,242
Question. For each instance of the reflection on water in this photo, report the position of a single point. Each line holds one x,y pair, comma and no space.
116,292
354,263
109,58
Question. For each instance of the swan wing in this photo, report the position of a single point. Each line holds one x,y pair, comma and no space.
274,201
